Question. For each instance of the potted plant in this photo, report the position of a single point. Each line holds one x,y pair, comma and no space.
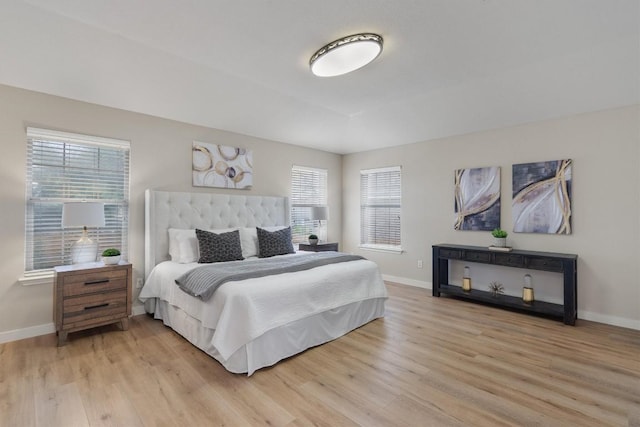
313,239
111,256
499,237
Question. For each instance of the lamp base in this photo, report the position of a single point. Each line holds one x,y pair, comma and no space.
84,250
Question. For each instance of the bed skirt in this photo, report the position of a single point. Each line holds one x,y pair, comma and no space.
278,343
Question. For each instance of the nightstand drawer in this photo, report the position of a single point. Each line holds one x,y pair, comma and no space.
96,304
79,284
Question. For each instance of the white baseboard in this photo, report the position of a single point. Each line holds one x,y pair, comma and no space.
30,332
47,328
407,281
137,309
623,322
585,315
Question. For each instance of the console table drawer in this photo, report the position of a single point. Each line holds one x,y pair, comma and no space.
450,253
509,260
545,264
477,256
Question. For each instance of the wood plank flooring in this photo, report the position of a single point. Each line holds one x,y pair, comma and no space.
429,362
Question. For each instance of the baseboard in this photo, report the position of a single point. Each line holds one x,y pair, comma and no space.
407,281
30,332
623,322
585,315
137,310
47,328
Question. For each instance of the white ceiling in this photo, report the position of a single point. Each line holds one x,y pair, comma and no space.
448,66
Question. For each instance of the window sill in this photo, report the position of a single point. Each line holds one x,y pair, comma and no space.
382,248
40,278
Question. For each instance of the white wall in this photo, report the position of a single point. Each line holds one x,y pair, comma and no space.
605,150
160,159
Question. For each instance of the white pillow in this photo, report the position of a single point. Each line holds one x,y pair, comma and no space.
177,235
249,242
183,244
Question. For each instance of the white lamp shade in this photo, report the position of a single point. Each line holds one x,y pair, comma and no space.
83,214
320,213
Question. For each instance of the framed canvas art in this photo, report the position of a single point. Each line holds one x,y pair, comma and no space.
477,199
542,197
221,166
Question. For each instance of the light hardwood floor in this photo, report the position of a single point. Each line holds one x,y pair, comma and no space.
430,361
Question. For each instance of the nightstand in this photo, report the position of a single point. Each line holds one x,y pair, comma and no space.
90,295
320,247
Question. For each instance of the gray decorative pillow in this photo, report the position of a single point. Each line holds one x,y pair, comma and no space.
219,247
272,243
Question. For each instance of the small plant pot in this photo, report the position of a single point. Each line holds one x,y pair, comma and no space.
313,242
111,260
500,242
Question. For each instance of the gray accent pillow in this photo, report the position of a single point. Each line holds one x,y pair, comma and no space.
272,243
219,247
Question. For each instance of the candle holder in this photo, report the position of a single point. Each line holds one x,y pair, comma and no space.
466,280
527,290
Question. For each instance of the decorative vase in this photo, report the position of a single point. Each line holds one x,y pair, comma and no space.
500,242
111,260
313,242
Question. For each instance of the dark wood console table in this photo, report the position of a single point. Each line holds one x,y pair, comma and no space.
566,264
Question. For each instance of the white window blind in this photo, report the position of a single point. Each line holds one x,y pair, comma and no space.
380,205
308,189
64,167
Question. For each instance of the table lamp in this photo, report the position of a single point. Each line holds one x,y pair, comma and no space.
320,213
83,214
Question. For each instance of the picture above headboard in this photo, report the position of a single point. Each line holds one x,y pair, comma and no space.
207,211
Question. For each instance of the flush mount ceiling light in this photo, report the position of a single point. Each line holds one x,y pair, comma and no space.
346,54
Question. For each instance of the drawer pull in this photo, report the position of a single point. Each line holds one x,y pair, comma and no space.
97,306
96,282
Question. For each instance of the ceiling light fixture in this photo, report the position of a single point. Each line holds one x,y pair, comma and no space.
346,54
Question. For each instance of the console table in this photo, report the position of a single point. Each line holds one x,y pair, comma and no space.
566,264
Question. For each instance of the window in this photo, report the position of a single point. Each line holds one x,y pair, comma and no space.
380,204
64,167
308,189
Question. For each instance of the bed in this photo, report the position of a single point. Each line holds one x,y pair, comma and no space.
253,323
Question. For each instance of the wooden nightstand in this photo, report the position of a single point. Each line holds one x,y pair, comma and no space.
320,247
89,295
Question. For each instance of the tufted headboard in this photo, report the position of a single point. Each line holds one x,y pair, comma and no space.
167,209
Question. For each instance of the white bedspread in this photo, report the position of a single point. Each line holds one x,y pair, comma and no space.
244,310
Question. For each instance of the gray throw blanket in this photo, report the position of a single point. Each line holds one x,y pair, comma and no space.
203,281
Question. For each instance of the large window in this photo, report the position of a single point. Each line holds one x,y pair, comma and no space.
380,204
64,167
308,189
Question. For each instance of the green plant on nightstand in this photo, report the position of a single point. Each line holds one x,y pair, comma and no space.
313,239
111,256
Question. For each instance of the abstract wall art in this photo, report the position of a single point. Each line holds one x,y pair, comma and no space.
221,166
477,199
542,197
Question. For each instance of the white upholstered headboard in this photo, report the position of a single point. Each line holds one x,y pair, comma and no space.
167,209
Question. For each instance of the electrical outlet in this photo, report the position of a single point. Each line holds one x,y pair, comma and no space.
419,263
139,283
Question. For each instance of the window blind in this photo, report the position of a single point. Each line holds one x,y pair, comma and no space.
65,167
380,206
308,189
